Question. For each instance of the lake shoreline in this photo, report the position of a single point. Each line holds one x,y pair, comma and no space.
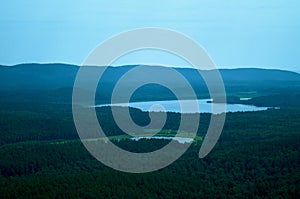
203,106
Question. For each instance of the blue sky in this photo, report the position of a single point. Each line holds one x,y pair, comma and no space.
235,33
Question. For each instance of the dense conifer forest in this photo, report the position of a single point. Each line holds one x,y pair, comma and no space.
257,156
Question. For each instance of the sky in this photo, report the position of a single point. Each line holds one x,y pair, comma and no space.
235,33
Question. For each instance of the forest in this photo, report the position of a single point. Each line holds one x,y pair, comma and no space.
257,156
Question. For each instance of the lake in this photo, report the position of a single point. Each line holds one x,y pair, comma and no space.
181,140
174,106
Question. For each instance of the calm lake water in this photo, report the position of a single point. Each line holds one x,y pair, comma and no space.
174,106
181,140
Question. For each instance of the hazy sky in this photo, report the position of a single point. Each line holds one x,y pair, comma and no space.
235,33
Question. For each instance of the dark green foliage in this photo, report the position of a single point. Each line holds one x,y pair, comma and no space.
54,82
257,156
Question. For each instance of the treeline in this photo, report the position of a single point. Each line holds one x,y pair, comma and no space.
28,122
25,122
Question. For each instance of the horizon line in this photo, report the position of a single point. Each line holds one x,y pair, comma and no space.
161,65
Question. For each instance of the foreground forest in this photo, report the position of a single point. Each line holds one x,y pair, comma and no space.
257,156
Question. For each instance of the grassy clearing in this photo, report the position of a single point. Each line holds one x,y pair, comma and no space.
146,133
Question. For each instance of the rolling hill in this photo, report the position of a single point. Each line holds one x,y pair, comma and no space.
54,82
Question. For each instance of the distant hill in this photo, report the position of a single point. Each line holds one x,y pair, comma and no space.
28,77
55,81
259,74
